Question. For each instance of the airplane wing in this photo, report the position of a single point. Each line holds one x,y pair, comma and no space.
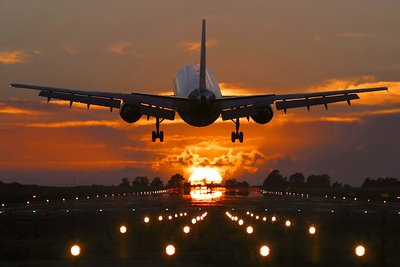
237,107
151,105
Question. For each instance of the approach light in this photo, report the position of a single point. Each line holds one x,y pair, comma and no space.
240,222
288,223
257,217
264,219
194,221
146,219
123,229
249,230
186,229
264,251
160,218
360,250
169,217
312,230
170,250
273,219
75,250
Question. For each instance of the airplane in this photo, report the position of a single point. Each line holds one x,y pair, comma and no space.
197,99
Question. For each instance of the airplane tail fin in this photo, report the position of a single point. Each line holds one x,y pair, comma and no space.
203,58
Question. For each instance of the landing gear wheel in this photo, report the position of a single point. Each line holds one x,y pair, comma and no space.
161,136
233,138
240,137
157,134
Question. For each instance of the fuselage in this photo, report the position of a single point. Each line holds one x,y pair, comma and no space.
202,110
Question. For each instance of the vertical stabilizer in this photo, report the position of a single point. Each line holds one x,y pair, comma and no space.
203,58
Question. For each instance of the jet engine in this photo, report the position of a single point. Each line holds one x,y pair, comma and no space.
264,114
130,112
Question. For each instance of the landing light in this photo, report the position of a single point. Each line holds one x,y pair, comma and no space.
264,251
360,250
123,229
186,229
75,250
170,250
312,230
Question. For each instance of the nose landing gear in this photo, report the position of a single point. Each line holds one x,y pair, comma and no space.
237,135
157,134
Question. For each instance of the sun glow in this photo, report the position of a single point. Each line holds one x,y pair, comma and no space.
206,175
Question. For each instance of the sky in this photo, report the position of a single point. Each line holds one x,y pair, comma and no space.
254,47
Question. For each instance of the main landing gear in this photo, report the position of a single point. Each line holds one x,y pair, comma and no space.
237,135
157,134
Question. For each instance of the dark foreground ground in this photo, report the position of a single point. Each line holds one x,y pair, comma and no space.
41,233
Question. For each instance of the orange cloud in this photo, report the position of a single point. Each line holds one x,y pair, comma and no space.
72,124
373,98
233,89
126,49
13,57
195,46
217,154
18,111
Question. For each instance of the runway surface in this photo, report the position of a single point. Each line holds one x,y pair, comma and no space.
40,232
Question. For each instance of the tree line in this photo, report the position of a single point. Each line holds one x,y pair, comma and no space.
140,183
275,180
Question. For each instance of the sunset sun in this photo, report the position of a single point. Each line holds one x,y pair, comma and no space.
205,175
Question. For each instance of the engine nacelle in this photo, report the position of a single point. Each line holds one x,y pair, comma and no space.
130,112
264,114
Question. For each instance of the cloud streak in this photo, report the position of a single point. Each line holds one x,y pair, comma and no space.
13,57
193,47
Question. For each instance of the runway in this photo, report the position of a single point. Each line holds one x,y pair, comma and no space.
40,232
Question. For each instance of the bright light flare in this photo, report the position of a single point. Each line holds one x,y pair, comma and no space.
205,175
264,251
123,229
170,250
312,230
360,250
75,250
